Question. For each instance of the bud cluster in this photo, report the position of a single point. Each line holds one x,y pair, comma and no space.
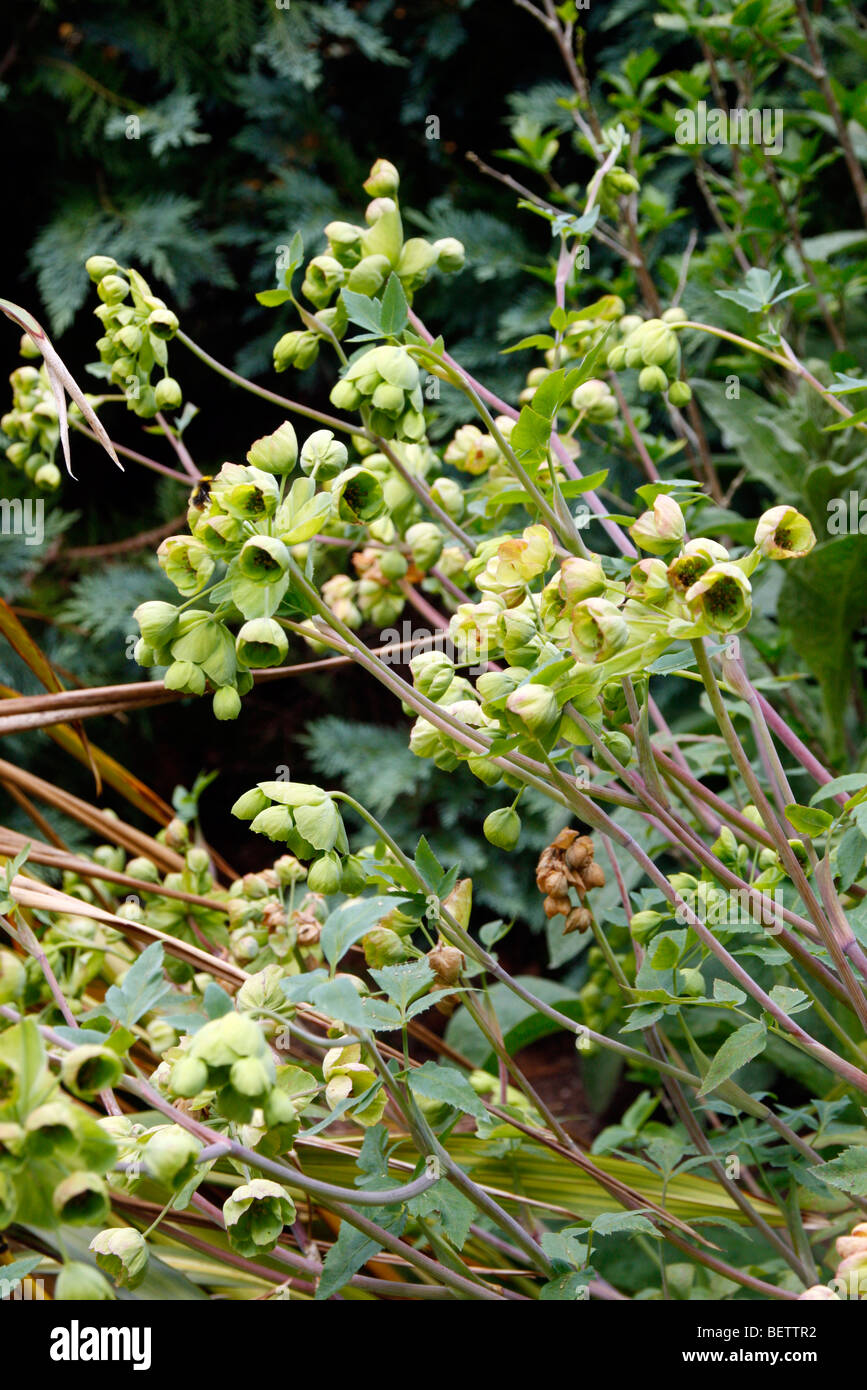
137,327
32,428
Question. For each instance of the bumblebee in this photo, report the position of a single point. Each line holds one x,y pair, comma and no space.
201,495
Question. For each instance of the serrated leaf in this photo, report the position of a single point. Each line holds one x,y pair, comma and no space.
808,820
351,921
394,311
738,1049
436,1081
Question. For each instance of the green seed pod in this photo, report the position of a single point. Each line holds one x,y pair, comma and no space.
81,1200
503,828
81,1283
123,1255
90,1069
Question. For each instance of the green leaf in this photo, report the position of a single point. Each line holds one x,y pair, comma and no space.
456,1212
12,1274
403,982
850,782
788,999
394,311
738,1049
339,999
367,313
850,856
808,820
351,921
272,298
613,1223
728,993
848,1171
142,989
437,1081
352,1249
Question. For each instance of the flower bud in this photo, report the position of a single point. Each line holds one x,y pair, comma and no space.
652,379
13,976
644,924
369,275
98,267
451,254
503,828
595,401
81,1199
679,394
324,275
81,1283
189,1076
323,875
123,1254
415,260
691,983
323,456
344,240
158,622
298,349
535,706
170,1154
471,451
248,806
167,394
383,180
90,1069
277,452
598,630
782,533
425,542
580,579
184,676
661,528
261,642
112,289
226,703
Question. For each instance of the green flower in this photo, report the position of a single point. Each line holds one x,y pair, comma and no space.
323,456
782,533
170,1153
598,630
277,452
123,1254
503,828
261,643
255,1216
264,559
158,622
90,1069
535,706
722,597
81,1200
661,528
187,562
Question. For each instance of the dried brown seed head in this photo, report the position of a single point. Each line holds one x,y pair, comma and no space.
564,839
556,907
593,875
579,919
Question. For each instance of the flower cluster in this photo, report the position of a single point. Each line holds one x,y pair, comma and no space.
31,426
137,326
652,347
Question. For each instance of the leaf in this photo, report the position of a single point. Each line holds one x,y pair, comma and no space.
808,820
456,1212
850,856
787,998
272,298
437,1081
352,1249
739,1048
394,311
142,988
728,993
822,603
367,313
847,1171
351,921
339,999
12,1274
849,782
613,1223
403,982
